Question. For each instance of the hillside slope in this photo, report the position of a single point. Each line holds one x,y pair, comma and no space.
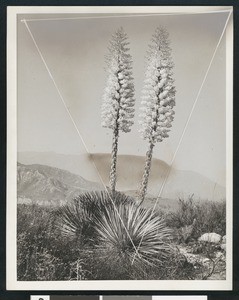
49,186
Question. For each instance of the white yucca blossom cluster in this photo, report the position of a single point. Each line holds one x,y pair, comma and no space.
118,98
158,97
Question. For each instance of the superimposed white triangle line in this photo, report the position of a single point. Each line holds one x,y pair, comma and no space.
78,132
185,126
129,16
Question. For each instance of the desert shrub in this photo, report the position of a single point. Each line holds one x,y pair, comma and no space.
36,221
210,216
42,253
35,262
31,216
176,267
207,249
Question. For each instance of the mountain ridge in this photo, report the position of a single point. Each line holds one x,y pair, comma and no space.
129,173
43,185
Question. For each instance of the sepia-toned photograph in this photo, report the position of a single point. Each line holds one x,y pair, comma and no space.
119,148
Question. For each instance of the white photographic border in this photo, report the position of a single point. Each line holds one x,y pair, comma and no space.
136,285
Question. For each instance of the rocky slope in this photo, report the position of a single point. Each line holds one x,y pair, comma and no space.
49,186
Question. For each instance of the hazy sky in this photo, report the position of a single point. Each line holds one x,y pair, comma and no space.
74,51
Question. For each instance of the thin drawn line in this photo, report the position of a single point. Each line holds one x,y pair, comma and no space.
86,148
58,91
186,125
127,16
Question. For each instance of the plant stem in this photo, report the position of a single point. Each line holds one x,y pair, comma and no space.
115,145
114,159
144,184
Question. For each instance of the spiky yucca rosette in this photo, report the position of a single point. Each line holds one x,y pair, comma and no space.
116,228
132,235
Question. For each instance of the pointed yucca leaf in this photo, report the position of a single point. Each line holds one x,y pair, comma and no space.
77,218
69,220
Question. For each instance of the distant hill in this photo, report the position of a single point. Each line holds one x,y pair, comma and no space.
129,173
44,185
49,186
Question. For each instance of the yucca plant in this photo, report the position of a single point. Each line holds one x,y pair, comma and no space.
132,235
118,230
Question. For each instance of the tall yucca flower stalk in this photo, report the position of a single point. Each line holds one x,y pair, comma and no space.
158,98
118,98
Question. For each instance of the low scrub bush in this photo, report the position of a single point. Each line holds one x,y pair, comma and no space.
42,253
209,216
